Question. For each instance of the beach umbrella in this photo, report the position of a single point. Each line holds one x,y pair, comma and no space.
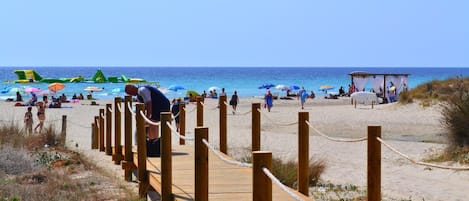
294,87
266,86
175,87
282,87
93,88
56,86
326,87
45,92
31,89
192,92
13,90
213,88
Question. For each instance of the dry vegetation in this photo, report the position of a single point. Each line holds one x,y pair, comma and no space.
453,96
36,167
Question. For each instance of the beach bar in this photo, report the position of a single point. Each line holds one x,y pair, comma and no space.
382,84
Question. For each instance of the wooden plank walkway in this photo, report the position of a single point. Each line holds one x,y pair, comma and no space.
226,181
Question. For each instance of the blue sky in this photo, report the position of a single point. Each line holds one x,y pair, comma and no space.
341,33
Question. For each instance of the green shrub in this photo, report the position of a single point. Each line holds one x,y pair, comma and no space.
456,117
405,98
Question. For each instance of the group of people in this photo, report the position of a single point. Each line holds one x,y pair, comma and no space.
302,95
29,120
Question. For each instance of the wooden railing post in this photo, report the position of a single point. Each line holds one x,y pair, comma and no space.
128,155
63,134
261,183
200,112
374,164
222,105
303,153
256,127
142,152
117,157
94,134
108,129
201,164
182,122
166,160
101,129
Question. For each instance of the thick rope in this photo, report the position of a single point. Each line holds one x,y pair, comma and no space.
175,116
102,116
119,107
221,157
174,130
418,162
336,139
129,106
192,110
273,121
279,184
109,109
149,120
245,113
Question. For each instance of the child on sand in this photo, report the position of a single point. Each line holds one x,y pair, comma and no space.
28,120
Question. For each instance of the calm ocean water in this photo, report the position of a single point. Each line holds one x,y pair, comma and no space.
245,80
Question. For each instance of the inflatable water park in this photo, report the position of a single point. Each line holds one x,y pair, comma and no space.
31,76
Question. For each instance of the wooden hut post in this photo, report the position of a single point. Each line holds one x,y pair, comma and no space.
166,160
142,152
182,122
128,164
101,129
256,127
223,124
200,112
108,129
117,157
201,164
303,153
374,163
261,183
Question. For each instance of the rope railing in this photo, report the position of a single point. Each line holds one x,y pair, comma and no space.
244,113
174,130
419,162
279,184
175,116
149,120
129,106
192,110
102,116
273,121
110,109
119,107
221,157
335,139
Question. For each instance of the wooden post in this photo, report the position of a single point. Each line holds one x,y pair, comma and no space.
256,127
201,164
96,132
261,184
63,134
372,104
355,103
117,131
166,160
374,163
128,155
303,153
200,112
101,129
141,152
223,125
94,144
182,122
108,129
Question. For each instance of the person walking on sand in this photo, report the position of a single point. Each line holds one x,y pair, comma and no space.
41,115
28,120
175,111
234,101
302,95
155,103
269,100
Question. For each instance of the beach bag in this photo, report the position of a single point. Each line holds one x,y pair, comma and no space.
153,147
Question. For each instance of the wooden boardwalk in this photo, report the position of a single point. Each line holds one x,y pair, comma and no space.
226,181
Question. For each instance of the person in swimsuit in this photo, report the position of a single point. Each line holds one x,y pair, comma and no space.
41,115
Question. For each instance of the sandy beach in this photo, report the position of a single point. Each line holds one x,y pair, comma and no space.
412,129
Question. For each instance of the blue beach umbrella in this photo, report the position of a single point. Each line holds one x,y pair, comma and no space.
294,87
175,87
266,86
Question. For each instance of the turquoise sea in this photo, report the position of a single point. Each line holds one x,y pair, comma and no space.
245,80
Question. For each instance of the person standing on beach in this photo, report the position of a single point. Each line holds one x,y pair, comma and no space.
175,111
155,103
302,95
41,115
269,100
234,101
28,120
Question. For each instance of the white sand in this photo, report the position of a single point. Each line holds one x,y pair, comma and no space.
414,130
